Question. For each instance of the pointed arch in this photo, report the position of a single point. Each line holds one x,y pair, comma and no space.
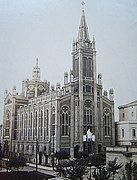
88,117
41,124
107,121
65,120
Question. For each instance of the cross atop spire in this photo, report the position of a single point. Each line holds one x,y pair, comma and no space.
83,29
83,3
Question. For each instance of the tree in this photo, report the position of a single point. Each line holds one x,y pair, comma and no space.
62,155
101,174
21,161
130,171
113,167
105,172
15,162
73,169
98,160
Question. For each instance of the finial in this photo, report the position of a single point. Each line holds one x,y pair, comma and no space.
73,45
93,43
36,62
93,38
83,3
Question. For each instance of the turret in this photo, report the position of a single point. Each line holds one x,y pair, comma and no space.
25,87
5,93
111,94
52,87
14,91
65,78
93,44
105,94
100,79
57,86
71,75
73,45
36,72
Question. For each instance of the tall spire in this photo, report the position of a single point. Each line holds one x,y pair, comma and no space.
36,71
83,29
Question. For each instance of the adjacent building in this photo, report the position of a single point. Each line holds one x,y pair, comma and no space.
78,115
126,127
126,135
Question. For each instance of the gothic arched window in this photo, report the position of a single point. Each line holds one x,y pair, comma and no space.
88,117
18,127
107,125
46,124
30,125
53,121
26,120
65,121
21,124
87,67
8,119
76,67
36,123
40,124
8,115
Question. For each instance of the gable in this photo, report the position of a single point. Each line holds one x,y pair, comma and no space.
8,99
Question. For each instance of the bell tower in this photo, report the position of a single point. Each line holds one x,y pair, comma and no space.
85,83
84,53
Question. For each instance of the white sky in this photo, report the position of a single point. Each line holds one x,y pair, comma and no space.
45,29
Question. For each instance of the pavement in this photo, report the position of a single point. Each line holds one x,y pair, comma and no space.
43,169
48,170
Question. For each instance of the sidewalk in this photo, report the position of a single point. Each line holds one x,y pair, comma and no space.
44,169
40,167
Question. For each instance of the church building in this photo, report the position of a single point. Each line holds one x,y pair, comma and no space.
77,114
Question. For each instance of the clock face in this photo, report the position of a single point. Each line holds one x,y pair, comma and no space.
31,87
88,103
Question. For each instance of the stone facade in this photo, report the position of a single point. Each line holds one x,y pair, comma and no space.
59,118
126,135
126,127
